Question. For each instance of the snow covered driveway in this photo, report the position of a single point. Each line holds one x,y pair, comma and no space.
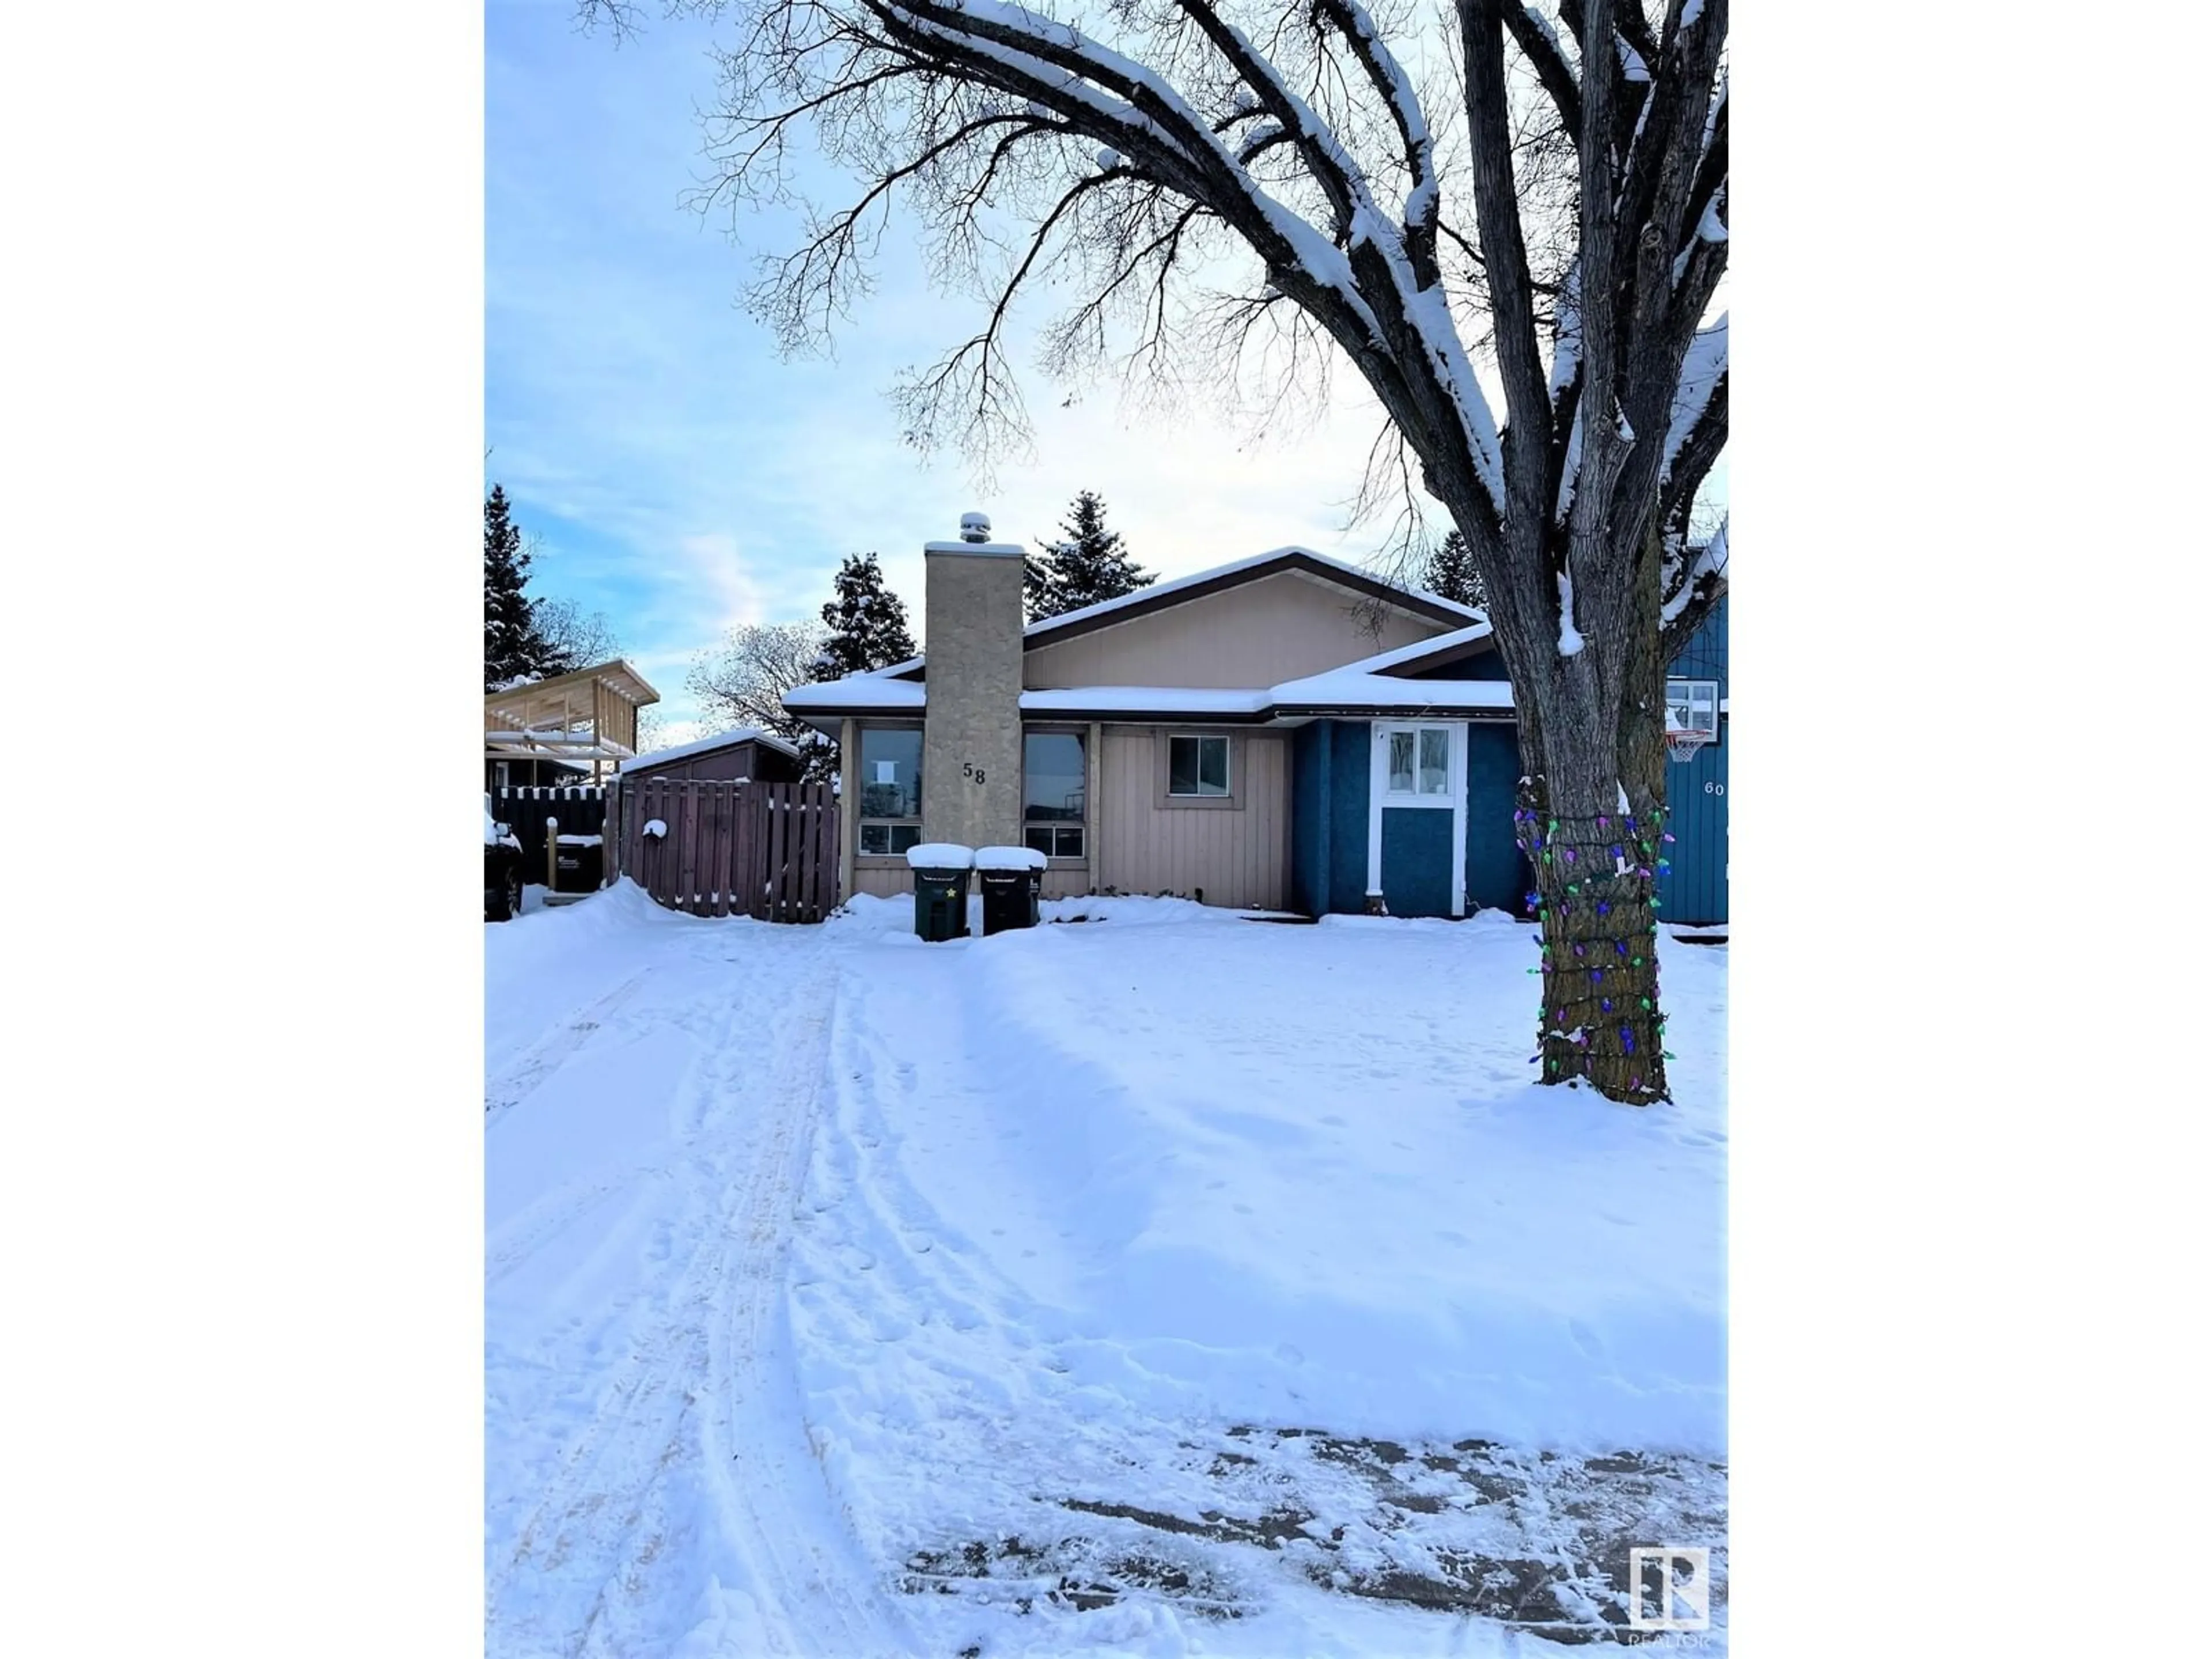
1164,1283
651,1086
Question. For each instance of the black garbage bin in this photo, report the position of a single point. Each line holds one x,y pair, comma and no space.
578,864
940,891
1012,879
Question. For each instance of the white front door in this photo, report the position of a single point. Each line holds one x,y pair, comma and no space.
1419,765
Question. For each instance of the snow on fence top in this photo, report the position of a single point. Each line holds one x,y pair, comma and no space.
939,855
1009,857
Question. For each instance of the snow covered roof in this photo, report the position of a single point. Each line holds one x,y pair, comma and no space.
1348,688
618,674
1351,689
1144,699
874,692
559,718
1422,651
704,745
1174,592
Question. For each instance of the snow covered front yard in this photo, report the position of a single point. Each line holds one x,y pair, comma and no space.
1162,1283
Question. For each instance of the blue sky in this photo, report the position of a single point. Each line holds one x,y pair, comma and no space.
684,479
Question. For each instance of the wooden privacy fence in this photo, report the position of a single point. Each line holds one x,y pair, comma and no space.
580,810
764,850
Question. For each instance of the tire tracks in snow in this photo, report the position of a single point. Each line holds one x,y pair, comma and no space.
688,1513
551,1052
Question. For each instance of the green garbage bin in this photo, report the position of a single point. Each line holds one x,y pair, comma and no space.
1012,879
940,890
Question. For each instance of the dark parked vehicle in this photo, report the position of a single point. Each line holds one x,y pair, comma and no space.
502,872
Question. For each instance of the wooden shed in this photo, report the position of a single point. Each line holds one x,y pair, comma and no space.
746,754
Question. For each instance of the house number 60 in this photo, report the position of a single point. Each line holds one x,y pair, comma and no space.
970,769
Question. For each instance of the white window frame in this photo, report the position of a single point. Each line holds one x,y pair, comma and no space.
1699,697
1454,739
1379,796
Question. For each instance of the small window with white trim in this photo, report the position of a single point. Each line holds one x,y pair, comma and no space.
1418,761
1694,706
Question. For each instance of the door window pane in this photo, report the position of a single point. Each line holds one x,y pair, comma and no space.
1402,762
1436,760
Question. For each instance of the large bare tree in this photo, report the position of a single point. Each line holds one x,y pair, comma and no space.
741,681
1254,194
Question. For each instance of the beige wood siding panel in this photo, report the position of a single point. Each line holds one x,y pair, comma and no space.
1280,628
883,883
1236,856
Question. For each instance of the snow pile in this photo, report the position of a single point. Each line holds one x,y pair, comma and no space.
1087,1194
1009,857
939,855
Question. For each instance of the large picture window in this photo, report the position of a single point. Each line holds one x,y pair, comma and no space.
1053,785
890,789
1198,767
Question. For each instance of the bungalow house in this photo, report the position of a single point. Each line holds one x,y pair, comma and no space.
1286,732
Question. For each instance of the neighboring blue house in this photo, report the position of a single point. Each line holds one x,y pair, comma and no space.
1693,889
1286,732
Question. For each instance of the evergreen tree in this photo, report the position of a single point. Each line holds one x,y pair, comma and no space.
1087,567
514,647
866,622
1451,573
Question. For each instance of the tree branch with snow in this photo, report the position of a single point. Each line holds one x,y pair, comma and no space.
1510,223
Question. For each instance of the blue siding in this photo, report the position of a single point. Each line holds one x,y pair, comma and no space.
1693,891
1330,762
1328,818
1347,870
1311,776
1417,872
1482,666
1705,657
1497,872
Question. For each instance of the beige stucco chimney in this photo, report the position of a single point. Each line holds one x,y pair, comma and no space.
971,748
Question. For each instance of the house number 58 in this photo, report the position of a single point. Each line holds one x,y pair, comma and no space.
971,770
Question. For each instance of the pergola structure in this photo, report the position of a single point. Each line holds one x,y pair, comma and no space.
588,716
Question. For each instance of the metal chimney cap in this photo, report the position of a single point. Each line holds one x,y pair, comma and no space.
975,527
